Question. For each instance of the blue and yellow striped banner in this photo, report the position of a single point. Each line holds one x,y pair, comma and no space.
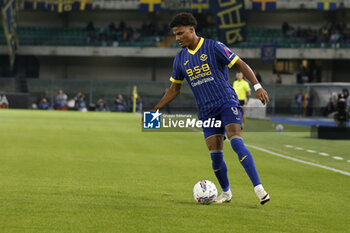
230,20
59,6
327,5
200,6
264,5
150,5
9,10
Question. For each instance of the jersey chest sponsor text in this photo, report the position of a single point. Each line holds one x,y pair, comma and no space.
199,71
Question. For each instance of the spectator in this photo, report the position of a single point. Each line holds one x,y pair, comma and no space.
309,99
61,101
347,99
285,28
122,26
101,106
127,33
299,32
119,104
335,37
80,103
299,103
112,28
331,105
44,104
102,35
91,31
332,33
310,36
90,26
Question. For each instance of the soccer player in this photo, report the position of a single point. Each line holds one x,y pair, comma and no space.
204,63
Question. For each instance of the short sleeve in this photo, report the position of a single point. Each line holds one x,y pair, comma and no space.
224,54
177,76
247,87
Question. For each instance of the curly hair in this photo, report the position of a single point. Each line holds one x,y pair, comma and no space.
183,19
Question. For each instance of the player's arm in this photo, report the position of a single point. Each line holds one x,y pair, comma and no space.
169,96
261,94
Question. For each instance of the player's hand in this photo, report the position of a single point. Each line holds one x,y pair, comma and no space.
262,95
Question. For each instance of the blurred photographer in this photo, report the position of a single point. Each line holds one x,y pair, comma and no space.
346,95
342,115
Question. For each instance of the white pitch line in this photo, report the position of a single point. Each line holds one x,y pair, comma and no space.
288,146
337,158
311,151
348,161
299,160
324,154
299,148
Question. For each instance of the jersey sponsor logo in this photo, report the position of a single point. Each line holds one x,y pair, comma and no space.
186,62
151,120
200,82
204,57
199,72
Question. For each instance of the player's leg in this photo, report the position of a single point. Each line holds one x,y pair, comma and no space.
231,119
242,103
214,139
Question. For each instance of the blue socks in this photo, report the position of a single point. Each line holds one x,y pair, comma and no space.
246,159
220,169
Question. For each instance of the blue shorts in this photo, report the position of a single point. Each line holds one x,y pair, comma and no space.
228,114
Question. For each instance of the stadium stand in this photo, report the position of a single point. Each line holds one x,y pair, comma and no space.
109,61
40,36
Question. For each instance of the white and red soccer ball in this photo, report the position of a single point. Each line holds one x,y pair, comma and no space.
205,192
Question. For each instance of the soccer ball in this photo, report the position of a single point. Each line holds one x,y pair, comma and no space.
205,192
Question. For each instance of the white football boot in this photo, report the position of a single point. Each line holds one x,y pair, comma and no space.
224,197
262,194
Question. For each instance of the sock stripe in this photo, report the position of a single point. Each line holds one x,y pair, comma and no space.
216,151
235,136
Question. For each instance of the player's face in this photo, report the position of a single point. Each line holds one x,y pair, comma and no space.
184,35
239,76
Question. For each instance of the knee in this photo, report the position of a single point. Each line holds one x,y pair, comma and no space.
215,143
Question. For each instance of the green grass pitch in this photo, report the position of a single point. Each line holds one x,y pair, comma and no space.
97,172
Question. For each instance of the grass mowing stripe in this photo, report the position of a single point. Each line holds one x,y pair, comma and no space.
299,160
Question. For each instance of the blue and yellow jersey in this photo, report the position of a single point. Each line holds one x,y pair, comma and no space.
206,71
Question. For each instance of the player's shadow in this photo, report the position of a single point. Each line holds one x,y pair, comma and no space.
182,202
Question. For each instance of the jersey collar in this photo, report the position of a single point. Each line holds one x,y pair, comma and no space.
199,45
